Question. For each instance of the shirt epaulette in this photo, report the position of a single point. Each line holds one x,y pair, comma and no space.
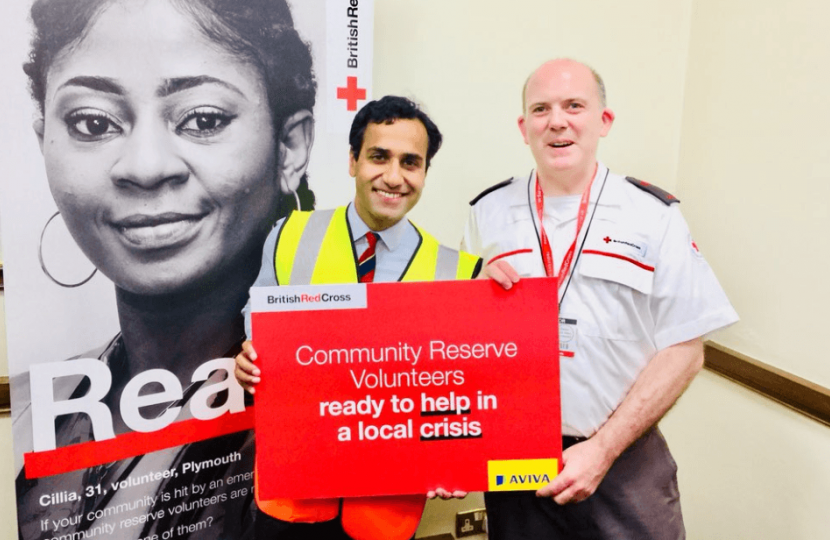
490,190
667,198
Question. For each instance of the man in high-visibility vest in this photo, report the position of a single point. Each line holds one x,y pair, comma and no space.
392,143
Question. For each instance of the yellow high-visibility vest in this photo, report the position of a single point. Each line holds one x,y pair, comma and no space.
317,248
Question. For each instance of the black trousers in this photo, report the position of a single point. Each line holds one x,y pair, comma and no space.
637,500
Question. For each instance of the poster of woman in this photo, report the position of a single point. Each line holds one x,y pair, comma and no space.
168,138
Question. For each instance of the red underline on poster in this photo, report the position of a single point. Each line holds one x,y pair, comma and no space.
90,454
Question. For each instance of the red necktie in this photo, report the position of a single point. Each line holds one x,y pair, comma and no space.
366,262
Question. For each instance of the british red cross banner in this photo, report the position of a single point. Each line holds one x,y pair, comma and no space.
397,388
122,297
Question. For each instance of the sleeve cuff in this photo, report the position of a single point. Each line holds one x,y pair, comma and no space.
697,328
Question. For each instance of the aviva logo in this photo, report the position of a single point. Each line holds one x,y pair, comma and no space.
521,474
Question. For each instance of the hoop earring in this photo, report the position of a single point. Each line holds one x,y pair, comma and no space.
43,264
297,199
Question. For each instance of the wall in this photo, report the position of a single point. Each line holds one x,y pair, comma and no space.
753,178
749,469
8,510
4,361
754,167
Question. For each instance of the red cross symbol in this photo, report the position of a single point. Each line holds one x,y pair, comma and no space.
606,239
351,93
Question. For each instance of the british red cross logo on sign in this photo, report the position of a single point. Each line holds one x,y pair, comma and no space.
606,239
351,93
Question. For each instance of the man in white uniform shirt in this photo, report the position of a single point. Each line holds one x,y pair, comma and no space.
635,299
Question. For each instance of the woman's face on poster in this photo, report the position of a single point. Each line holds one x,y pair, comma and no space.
159,148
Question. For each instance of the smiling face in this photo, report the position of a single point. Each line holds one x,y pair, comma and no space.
564,119
159,149
390,171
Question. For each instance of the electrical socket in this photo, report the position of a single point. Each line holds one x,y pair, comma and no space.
470,522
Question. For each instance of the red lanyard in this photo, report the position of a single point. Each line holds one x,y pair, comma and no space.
547,253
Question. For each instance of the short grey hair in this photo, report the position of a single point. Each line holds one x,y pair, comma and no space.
603,101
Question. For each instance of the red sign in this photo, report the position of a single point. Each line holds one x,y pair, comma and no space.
422,388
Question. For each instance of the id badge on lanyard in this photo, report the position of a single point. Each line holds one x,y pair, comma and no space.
567,336
567,324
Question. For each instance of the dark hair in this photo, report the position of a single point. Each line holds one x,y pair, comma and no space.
258,31
385,111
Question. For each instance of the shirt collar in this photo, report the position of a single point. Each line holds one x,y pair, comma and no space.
520,197
601,178
391,237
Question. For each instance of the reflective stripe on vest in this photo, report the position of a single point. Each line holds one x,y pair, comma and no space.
317,247
447,264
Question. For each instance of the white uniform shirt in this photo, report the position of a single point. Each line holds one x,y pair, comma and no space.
638,284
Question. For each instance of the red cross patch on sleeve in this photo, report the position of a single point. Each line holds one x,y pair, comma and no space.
695,249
